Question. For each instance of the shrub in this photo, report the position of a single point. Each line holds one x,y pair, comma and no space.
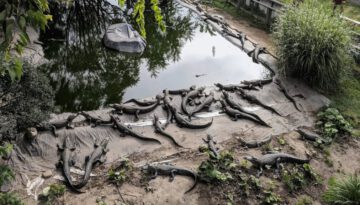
312,44
10,199
31,101
344,191
304,200
52,193
332,123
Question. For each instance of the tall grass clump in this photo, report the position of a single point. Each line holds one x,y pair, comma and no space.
312,44
345,191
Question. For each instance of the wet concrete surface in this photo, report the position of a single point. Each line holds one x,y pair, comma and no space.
30,160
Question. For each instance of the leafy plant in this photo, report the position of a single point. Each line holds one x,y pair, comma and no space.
299,176
281,141
343,191
15,16
312,44
271,198
51,194
332,123
10,199
6,174
120,174
304,200
6,150
138,14
217,169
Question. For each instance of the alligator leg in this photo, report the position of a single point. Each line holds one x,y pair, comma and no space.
155,174
172,175
277,170
137,115
53,130
168,117
259,173
102,159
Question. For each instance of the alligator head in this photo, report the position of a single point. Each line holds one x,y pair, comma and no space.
252,159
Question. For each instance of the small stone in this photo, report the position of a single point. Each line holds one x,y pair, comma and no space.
47,174
6,187
31,133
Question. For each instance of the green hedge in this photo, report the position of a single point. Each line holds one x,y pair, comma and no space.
312,44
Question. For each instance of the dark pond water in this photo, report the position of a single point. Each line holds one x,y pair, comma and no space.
88,76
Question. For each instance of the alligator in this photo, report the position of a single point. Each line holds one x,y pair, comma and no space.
182,122
241,36
233,88
274,159
287,95
159,129
132,109
189,96
127,130
237,106
97,156
53,126
167,103
306,134
236,114
255,53
205,104
255,143
211,145
252,99
215,18
67,160
164,169
95,120
141,103
181,91
259,83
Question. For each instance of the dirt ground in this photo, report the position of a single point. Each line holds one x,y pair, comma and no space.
254,34
340,158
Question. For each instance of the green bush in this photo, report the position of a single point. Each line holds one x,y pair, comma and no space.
10,199
312,44
331,123
345,191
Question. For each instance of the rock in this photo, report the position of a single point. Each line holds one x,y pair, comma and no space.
47,174
30,133
122,37
6,187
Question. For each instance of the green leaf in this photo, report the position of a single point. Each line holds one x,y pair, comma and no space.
10,22
2,15
22,23
15,70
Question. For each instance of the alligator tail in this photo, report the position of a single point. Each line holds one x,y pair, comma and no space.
194,185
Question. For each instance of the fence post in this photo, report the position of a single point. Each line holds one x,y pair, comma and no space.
269,14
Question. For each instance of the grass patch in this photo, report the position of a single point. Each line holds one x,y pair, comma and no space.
347,100
10,199
343,191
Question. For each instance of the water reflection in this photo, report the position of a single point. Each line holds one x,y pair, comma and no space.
87,76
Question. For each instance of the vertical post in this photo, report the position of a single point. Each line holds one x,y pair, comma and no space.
238,4
268,15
